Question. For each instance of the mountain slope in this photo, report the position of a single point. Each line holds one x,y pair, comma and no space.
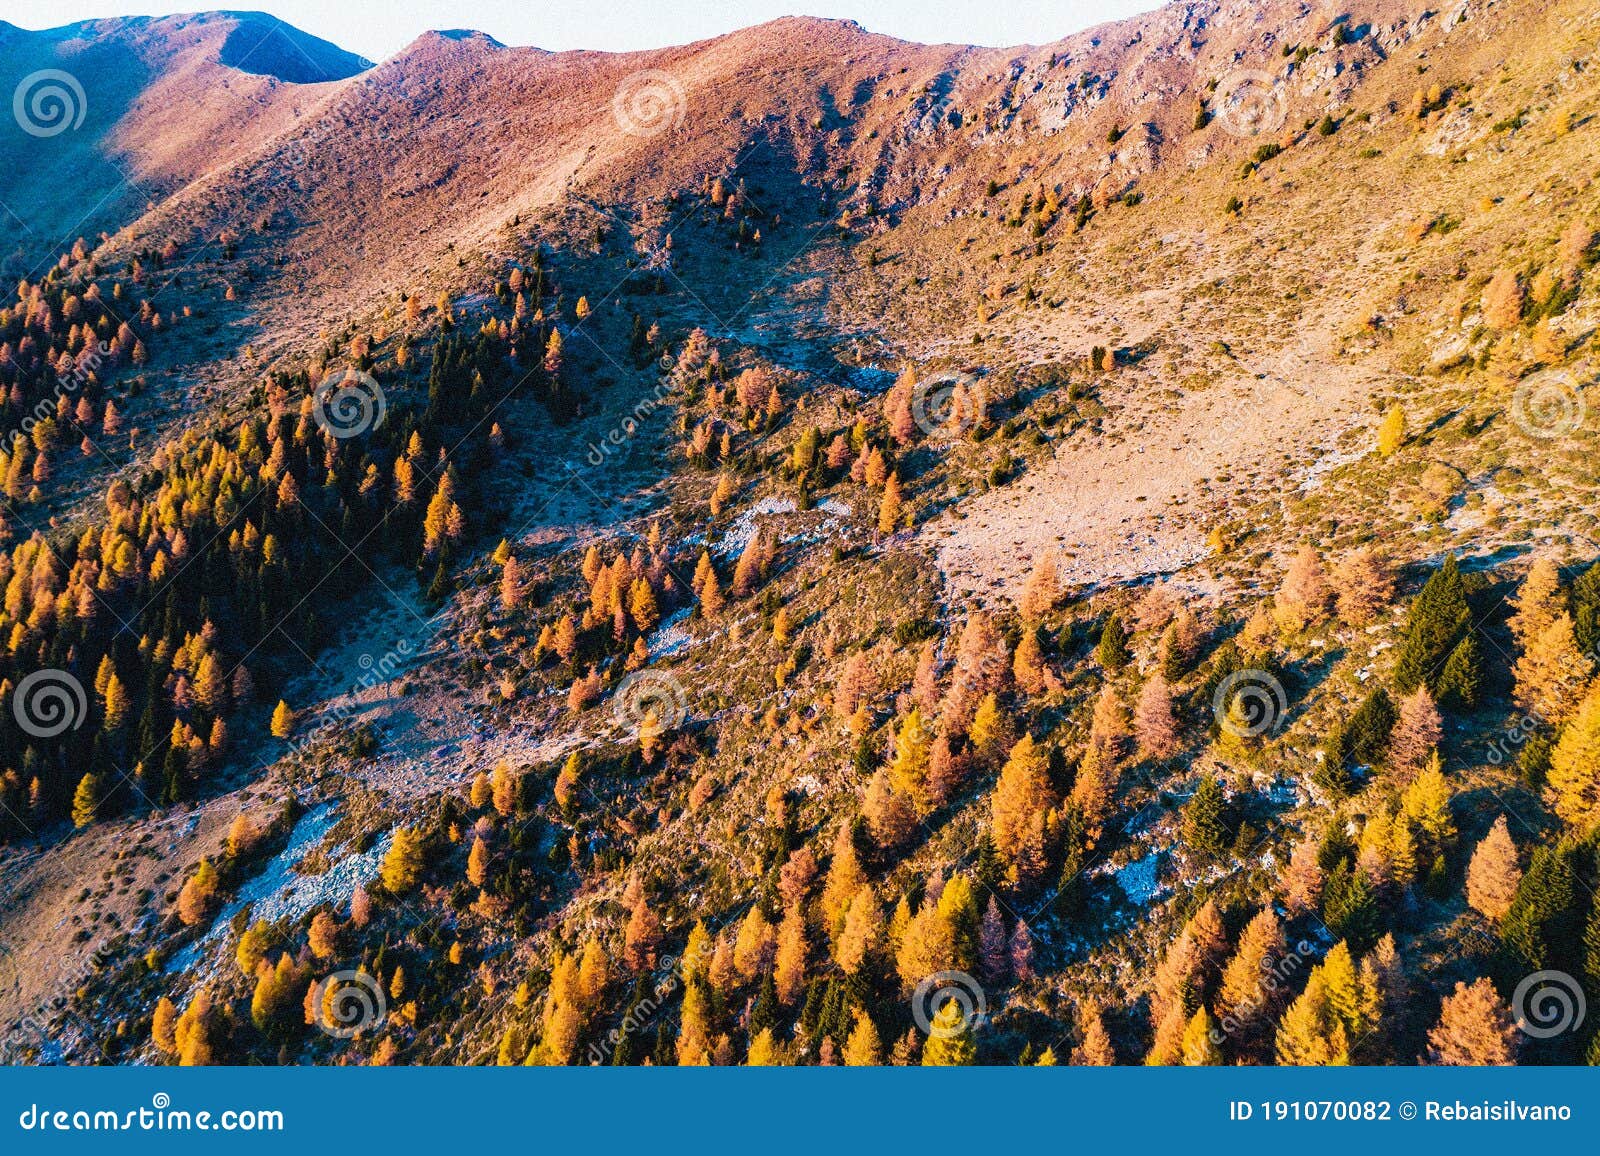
150,105
802,477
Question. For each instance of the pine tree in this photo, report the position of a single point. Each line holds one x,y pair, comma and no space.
1493,875
1199,1046
1364,739
282,721
1095,1050
86,801
1436,623
1586,609
1542,929
1474,1029
1154,724
1205,819
951,1043
1574,774
1392,433
402,864
1020,798
1460,683
1416,734
1112,651
1348,906
864,1048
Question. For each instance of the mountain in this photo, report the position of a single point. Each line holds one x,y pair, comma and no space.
154,104
797,519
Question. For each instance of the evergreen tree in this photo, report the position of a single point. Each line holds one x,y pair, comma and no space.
1586,609
1349,908
1112,650
1541,930
1460,684
1438,619
1206,826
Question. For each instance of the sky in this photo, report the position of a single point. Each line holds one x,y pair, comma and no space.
377,29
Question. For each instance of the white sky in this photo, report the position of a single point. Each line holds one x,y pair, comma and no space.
378,28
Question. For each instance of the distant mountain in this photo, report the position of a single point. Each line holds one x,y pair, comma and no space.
152,104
